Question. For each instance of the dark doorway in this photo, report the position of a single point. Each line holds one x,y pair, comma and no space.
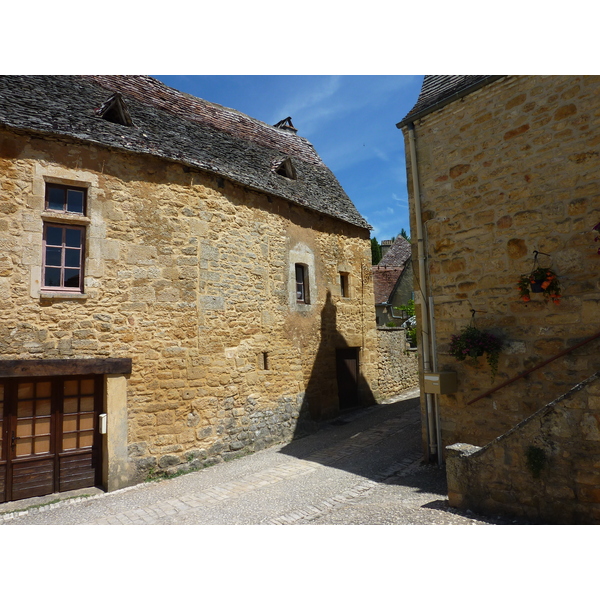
347,369
49,438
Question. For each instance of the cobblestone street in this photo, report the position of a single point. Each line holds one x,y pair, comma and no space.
363,468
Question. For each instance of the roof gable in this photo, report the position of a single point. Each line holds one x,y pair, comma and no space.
384,283
398,254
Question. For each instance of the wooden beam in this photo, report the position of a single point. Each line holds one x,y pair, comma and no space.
67,366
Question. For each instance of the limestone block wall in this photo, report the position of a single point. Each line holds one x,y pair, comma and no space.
507,170
397,365
545,469
189,275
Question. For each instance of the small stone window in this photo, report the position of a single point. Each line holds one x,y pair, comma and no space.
265,361
302,291
344,285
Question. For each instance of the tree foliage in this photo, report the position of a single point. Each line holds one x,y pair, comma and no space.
375,251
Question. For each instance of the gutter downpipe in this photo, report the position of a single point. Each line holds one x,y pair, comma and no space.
433,435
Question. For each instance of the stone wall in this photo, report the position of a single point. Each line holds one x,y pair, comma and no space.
397,364
188,274
509,169
545,469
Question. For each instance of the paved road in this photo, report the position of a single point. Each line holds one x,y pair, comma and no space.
363,468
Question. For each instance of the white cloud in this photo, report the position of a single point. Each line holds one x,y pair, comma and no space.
313,104
403,202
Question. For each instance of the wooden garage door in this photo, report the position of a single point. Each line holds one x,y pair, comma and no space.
50,439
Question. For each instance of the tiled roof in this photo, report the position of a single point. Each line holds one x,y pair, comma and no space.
399,253
438,90
176,126
384,282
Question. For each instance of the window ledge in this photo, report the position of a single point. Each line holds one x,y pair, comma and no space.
63,217
63,296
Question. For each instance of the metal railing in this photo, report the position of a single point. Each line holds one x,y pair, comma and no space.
539,366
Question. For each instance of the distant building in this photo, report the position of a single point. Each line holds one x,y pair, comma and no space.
393,282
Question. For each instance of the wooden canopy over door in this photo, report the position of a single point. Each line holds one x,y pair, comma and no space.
50,440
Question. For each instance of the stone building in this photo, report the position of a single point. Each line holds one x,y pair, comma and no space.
501,168
179,283
393,282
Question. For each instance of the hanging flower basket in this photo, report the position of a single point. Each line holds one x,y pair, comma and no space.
597,238
540,280
472,342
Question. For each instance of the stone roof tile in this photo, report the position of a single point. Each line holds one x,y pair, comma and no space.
398,254
438,90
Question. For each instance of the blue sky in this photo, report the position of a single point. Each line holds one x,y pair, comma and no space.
349,119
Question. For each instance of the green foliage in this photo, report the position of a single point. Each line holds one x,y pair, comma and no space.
473,343
411,336
375,251
405,235
536,460
408,308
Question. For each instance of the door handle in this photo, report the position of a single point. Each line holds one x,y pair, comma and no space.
13,440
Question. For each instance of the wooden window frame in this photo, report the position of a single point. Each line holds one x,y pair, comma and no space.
62,266
62,218
65,189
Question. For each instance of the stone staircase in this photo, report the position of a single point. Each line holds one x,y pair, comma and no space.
545,469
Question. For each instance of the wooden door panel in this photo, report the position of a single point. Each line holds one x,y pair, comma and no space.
347,377
48,435
77,471
32,478
2,483
3,450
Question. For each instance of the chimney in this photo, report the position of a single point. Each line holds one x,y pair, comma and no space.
385,246
286,125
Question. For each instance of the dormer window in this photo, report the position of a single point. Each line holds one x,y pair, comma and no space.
286,169
115,111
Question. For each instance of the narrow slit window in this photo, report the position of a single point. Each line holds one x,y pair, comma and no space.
265,361
302,296
344,289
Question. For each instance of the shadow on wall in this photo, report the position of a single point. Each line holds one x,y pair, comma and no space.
335,383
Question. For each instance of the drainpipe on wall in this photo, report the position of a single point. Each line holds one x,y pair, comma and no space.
432,422
436,398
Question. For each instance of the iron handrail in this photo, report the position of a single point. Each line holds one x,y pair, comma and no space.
539,366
